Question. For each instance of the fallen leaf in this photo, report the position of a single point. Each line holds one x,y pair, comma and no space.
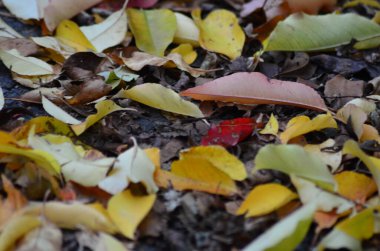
264,199
366,105
15,201
142,3
372,163
355,186
294,160
2,100
103,108
69,34
354,117
301,125
7,31
109,243
25,47
45,238
160,97
256,88
56,11
230,132
326,201
203,176
187,31
369,133
271,127
216,156
108,33
128,210
353,3
134,166
153,30
89,90
71,216
29,66
16,228
332,158
25,9
56,51
313,33
349,232
186,51
58,113
140,59
311,7
286,234
220,32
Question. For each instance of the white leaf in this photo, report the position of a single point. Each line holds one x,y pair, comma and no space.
2,101
7,31
108,33
187,31
24,9
29,66
337,239
58,113
132,165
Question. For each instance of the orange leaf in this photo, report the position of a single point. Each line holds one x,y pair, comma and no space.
325,219
256,88
355,186
14,201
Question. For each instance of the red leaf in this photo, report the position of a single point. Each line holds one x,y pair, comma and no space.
230,132
256,88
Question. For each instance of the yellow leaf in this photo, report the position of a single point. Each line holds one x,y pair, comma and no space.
29,66
271,127
72,216
57,112
153,30
154,155
109,243
220,32
69,34
372,163
127,211
301,125
16,228
361,226
264,199
196,174
41,158
355,186
217,156
103,108
186,51
160,97
42,125
355,116
369,133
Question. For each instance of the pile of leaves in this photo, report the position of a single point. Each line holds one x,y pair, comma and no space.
189,125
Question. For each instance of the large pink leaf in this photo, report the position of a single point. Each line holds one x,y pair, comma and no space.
256,88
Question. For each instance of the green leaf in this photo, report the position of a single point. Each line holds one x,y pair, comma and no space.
294,160
159,97
153,29
302,32
287,233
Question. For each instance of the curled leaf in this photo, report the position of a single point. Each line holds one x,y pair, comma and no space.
58,113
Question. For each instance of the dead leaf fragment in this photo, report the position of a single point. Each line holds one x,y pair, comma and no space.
256,88
58,113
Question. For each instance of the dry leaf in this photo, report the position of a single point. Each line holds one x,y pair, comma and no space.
331,158
58,113
187,31
271,127
256,88
160,97
103,108
301,125
264,199
45,238
133,165
29,66
220,32
69,34
128,210
354,116
153,30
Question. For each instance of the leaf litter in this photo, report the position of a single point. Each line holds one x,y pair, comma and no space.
185,125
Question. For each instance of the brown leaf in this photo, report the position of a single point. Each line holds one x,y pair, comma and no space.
25,46
92,89
256,88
